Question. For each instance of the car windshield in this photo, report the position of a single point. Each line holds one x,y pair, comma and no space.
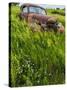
37,10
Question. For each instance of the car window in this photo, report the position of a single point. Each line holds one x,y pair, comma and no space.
37,10
25,10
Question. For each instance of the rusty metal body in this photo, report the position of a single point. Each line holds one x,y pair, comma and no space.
29,13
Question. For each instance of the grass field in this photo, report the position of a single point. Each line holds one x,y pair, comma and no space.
36,58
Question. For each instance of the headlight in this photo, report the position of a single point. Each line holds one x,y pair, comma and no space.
59,25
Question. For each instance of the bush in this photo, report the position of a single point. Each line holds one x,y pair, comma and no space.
58,12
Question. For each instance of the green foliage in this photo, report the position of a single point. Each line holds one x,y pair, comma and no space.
58,11
36,58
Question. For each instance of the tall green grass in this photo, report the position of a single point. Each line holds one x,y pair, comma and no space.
36,58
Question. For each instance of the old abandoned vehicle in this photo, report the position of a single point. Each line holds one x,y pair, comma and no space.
36,15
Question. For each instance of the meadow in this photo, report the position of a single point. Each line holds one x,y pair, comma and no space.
35,58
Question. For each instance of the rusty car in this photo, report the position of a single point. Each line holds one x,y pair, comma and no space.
36,14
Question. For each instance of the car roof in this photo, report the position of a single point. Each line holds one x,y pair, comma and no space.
29,4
